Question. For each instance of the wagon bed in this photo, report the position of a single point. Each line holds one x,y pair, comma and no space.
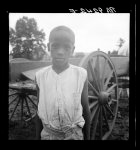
121,64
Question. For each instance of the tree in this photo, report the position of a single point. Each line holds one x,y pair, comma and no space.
27,39
79,54
109,52
121,42
114,52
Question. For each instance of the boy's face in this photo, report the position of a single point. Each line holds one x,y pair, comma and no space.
61,48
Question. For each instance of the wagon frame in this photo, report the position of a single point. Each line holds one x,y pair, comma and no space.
103,94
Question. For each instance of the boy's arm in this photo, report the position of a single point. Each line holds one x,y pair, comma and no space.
39,127
38,122
86,111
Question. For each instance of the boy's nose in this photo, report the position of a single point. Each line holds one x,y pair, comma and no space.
60,51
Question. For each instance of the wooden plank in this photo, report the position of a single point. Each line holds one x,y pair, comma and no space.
121,65
31,73
17,67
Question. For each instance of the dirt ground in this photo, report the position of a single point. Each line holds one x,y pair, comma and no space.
120,130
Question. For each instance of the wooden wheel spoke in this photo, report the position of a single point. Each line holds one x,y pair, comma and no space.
97,71
105,117
109,110
103,73
93,75
110,88
13,94
101,122
95,91
111,92
92,97
22,101
28,108
31,101
95,122
13,100
93,112
14,109
112,100
93,104
108,79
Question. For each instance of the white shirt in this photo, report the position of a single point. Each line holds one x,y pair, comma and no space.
60,96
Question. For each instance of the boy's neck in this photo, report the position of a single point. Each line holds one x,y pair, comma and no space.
59,69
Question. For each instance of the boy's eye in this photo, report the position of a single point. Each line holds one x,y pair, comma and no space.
55,46
67,48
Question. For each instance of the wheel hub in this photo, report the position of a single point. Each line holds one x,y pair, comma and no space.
103,97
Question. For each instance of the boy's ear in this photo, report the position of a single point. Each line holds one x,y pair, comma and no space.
48,45
73,50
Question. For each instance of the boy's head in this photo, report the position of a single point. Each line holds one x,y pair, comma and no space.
61,45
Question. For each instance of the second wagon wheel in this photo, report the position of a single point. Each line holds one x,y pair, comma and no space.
102,93
22,101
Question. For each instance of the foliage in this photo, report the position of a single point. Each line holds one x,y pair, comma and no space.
27,39
79,54
114,52
121,41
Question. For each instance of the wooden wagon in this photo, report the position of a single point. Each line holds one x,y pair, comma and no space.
104,72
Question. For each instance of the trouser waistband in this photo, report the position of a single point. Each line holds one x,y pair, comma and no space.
58,132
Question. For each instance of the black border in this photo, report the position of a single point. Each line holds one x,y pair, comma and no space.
122,8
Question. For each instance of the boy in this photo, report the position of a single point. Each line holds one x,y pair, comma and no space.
63,111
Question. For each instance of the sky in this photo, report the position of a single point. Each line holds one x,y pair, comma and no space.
92,30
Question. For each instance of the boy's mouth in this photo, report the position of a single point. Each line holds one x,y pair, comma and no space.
59,59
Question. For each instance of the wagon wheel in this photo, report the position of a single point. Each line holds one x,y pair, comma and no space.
102,93
22,103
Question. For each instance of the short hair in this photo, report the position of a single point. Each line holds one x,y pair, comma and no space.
63,28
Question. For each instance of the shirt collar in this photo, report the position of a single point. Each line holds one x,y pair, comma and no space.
60,72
